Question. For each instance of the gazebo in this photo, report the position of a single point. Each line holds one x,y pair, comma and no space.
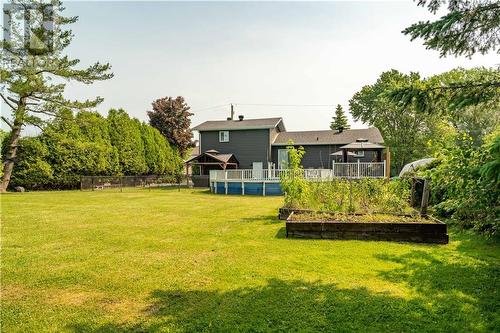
362,145
206,161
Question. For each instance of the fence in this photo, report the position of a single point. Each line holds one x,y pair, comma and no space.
339,170
146,181
359,170
266,174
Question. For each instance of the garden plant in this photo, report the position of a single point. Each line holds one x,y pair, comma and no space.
366,195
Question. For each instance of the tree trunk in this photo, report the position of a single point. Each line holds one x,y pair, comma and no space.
10,156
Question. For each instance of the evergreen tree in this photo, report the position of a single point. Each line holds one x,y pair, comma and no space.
125,134
339,120
33,171
467,28
32,77
95,131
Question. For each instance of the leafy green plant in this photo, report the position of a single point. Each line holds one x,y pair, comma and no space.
348,196
89,144
293,183
465,182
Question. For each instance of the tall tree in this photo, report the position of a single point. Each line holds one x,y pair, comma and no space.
340,119
405,130
467,28
171,117
33,71
126,136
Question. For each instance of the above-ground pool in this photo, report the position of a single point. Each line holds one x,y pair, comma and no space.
246,187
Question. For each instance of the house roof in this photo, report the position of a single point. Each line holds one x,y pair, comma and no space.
245,124
328,137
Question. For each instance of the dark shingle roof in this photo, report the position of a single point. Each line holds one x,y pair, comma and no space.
218,125
328,137
221,157
216,156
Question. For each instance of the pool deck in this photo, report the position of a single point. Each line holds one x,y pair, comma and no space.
267,181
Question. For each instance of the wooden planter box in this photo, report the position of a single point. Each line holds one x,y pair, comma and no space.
383,231
284,213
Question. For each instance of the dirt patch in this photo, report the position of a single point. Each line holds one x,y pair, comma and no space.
13,292
72,297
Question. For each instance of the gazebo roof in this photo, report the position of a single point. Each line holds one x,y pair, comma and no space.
213,157
339,153
212,151
362,145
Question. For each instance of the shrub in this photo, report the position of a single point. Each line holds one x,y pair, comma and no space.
465,185
90,144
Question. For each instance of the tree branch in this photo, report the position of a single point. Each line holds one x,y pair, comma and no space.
7,122
7,102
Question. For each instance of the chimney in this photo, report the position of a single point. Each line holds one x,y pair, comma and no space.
232,112
240,117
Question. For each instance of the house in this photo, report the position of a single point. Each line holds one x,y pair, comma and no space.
260,144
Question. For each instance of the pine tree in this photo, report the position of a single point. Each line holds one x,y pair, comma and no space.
340,119
468,27
33,72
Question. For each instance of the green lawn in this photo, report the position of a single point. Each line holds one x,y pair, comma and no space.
191,261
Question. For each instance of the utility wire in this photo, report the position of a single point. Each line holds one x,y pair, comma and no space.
210,107
262,104
293,105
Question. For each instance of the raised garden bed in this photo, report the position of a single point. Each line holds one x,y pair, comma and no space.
284,213
386,227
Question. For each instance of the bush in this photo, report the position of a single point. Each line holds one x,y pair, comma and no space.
465,182
90,144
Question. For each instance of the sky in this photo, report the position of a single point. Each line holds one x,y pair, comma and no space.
213,54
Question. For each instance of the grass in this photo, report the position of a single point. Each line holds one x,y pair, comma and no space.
191,261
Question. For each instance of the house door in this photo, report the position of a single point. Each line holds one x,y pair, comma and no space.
257,170
282,158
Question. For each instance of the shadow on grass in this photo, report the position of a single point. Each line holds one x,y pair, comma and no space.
450,291
466,281
300,306
264,219
281,233
191,190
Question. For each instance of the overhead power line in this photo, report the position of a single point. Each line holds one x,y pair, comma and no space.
292,105
228,105
211,107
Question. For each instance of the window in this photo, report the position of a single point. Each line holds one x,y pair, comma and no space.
223,136
360,153
282,158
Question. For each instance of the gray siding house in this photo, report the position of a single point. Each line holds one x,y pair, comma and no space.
261,143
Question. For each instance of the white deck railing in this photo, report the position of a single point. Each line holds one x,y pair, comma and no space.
339,170
359,170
